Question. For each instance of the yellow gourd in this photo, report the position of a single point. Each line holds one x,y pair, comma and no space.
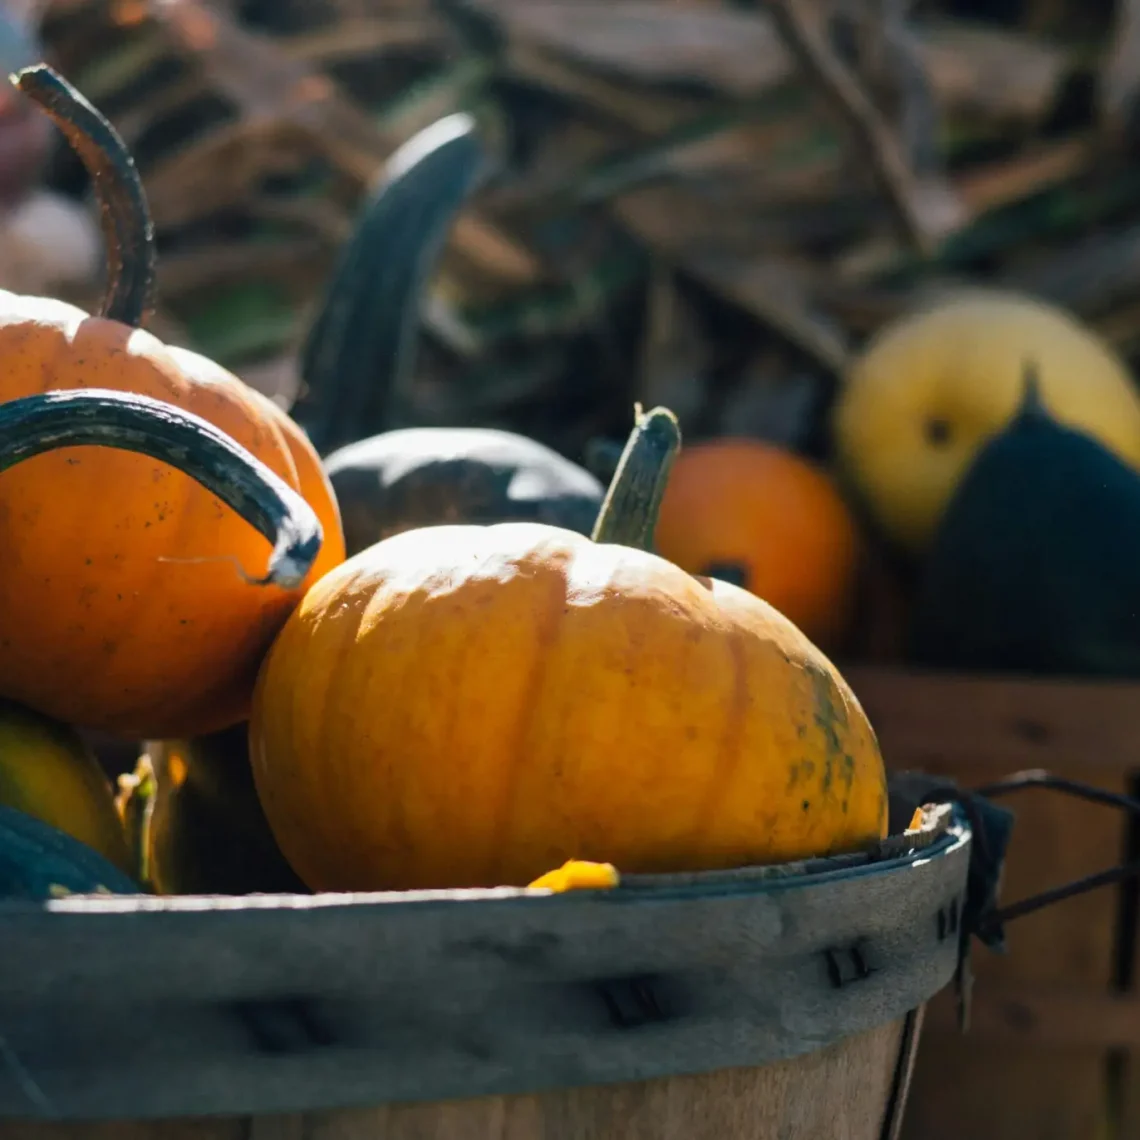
931,388
47,771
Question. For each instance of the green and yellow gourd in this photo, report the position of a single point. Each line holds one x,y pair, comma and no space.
929,389
359,355
44,771
1035,566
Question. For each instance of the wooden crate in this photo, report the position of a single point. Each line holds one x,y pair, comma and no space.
1051,1053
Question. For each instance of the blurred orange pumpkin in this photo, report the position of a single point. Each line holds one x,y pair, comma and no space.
766,519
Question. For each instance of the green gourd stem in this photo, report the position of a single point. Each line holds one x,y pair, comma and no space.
359,354
629,513
124,216
1031,402
96,417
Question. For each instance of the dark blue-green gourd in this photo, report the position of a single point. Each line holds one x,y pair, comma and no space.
427,476
38,861
359,355
1036,565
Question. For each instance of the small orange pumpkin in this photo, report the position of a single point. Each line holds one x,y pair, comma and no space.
464,706
124,609
767,520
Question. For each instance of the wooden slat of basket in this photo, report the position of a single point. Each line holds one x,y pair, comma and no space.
840,1091
145,1007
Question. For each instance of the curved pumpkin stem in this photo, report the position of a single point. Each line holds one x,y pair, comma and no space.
360,350
123,212
629,513
96,417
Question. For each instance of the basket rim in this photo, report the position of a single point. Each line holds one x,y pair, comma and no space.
944,829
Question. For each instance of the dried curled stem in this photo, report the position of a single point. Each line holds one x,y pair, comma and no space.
128,232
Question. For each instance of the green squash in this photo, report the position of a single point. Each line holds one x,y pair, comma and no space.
428,476
38,861
359,355
1035,567
358,352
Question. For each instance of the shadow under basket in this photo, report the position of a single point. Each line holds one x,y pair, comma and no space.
766,1002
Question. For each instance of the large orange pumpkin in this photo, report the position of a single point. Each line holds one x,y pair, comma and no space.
123,603
769,521
466,706
46,770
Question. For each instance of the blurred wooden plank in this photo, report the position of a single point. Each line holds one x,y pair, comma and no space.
1045,1017
1004,725
988,1085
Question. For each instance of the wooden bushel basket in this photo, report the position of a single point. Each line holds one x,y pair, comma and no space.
770,1002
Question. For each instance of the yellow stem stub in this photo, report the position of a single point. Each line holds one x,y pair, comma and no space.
578,875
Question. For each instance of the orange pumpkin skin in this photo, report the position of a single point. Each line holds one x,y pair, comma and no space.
101,539
316,489
467,706
773,517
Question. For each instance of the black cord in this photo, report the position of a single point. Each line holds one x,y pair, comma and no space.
1077,887
1038,778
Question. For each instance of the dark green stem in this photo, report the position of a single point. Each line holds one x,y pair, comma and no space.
629,514
360,351
96,417
123,212
1031,401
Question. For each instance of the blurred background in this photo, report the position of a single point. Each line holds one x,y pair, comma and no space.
683,206
718,205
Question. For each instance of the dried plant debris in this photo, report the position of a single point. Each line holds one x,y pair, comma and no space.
696,202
